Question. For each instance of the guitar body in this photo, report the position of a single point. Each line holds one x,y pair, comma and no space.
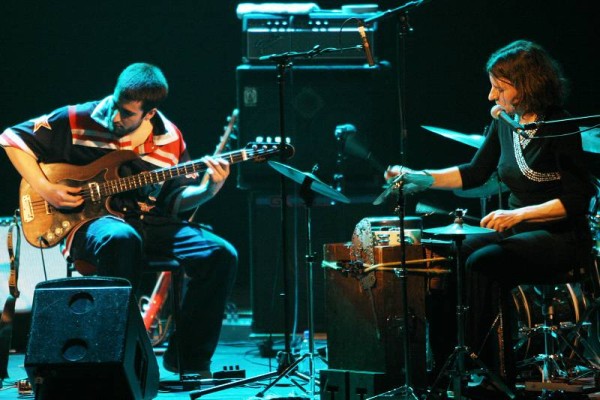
43,225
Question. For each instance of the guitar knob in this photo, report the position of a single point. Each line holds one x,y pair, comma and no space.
66,224
58,231
50,236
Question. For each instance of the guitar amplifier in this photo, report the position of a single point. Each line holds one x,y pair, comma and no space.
35,266
364,313
268,33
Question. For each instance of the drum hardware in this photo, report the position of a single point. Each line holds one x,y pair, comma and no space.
427,210
309,186
398,185
455,364
559,373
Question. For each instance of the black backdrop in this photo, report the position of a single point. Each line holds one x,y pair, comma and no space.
56,53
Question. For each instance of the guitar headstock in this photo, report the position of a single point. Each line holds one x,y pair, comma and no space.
263,150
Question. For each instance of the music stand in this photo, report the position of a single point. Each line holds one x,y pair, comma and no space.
455,364
309,186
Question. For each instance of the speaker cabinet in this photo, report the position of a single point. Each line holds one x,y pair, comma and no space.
317,99
87,341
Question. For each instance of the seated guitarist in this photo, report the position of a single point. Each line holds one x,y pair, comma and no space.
146,223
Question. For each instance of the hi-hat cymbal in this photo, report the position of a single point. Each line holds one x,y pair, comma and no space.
473,140
316,185
458,229
491,187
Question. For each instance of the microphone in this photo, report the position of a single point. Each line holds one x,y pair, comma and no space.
498,112
365,43
341,131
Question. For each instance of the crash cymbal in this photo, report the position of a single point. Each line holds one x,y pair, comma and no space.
458,229
491,187
411,183
316,185
590,139
473,140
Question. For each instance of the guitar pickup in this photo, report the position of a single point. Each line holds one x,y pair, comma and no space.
95,195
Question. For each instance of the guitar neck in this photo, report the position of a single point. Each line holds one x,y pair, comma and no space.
133,182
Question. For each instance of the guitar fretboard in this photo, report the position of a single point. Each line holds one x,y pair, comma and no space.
133,182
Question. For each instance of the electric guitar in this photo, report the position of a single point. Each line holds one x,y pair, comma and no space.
45,226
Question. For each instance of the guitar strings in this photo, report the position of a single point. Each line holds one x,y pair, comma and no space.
133,182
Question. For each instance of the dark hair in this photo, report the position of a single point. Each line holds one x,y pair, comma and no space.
537,77
142,82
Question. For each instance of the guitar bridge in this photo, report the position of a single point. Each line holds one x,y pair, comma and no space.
27,213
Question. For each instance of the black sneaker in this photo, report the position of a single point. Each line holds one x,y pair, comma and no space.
195,367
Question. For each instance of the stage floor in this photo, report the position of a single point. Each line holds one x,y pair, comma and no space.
242,354
231,355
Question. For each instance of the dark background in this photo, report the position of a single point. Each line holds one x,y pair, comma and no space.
57,53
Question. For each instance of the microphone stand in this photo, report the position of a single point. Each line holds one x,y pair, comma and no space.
403,28
405,391
537,124
341,133
286,364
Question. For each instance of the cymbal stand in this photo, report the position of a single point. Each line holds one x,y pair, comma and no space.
307,196
455,364
284,358
405,391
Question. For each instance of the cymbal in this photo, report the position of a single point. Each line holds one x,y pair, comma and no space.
473,140
590,139
458,229
491,187
316,185
413,183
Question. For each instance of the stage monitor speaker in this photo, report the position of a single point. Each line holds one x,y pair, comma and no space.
317,100
35,266
87,341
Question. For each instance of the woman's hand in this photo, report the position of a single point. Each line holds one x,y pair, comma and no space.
501,220
394,170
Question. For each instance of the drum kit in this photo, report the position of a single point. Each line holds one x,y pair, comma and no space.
399,231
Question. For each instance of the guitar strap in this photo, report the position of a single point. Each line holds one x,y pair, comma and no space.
8,312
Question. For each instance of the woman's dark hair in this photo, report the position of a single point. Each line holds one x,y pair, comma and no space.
142,82
537,77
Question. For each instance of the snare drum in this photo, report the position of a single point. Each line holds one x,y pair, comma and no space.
385,231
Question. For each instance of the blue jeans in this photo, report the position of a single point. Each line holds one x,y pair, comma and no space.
118,248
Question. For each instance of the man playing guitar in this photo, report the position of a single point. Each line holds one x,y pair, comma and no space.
86,140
